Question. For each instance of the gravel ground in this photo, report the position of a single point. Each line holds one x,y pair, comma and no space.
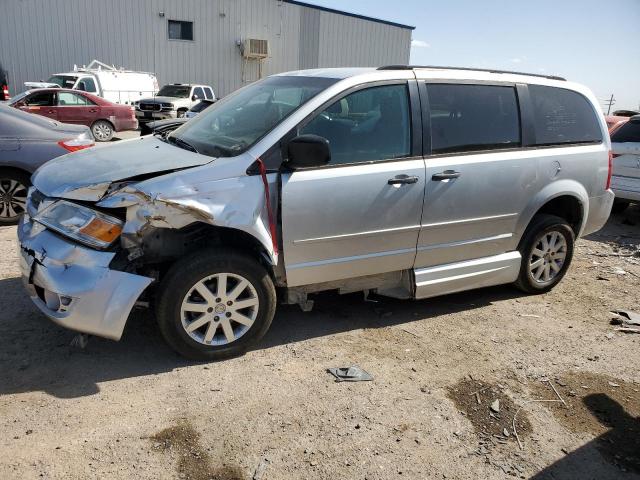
135,409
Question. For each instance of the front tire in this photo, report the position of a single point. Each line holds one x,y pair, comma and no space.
215,304
13,196
547,250
102,131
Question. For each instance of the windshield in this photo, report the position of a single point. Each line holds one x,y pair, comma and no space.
178,91
64,81
232,125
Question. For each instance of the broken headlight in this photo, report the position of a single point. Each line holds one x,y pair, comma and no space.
80,223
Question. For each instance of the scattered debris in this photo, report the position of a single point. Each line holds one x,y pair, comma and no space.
625,317
262,467
495,406
350,374
529,315
80,341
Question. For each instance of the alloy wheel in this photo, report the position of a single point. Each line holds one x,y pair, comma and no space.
548,257
219,309
13,198
102,132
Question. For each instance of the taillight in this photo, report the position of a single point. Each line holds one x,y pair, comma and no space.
5,92
610,170
75,144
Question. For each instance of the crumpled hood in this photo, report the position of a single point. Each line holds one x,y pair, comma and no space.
86,175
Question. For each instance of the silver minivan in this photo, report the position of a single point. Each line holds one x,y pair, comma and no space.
408,182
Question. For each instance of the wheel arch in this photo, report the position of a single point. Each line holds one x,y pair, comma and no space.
566,199
18,170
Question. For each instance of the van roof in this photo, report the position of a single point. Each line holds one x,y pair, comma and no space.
342,73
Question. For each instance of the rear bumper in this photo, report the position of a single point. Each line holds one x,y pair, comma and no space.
626,188
599,211
73,285
125,124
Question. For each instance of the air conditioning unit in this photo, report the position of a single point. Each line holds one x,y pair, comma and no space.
254,48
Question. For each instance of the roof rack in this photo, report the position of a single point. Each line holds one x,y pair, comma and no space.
468,69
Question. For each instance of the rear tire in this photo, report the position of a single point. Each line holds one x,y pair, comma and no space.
547,250
102,131
215,304
13,196
619,206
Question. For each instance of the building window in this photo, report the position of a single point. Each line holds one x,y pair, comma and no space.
179,30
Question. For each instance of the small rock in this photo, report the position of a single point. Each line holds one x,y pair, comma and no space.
29,432
505,432
495,406
612,384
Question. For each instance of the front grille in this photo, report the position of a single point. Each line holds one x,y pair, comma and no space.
150,107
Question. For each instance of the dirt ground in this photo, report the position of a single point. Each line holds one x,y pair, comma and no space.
134,409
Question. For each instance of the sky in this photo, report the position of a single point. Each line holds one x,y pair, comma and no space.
593,42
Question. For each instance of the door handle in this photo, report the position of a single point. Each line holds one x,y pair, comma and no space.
51,111
93,111
446,175
402,180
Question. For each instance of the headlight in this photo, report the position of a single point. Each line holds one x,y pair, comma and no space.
80,223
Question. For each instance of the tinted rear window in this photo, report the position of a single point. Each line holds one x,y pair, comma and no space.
629,132
468,118
563,116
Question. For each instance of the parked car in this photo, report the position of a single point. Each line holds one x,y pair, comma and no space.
409,182
4,85
614,122
161,126
626,113
26,142
172,101
81,108
113,84
625,148
199,107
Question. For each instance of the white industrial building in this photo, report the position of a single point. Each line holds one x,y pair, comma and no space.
203,41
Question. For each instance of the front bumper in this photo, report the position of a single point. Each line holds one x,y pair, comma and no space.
152,116
73,285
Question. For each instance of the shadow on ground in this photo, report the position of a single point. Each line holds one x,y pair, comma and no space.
35,354
622,229
618,446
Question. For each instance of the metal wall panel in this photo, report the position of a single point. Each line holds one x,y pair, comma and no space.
41,37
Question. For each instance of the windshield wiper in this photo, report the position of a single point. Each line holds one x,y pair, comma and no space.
178,142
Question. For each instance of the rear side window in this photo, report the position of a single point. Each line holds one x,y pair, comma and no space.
466,118
68,99
629,132
563,116
208,93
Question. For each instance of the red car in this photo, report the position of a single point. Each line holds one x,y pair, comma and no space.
73,106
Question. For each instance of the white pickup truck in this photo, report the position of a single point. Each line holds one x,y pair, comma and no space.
625,181
173,101
111,83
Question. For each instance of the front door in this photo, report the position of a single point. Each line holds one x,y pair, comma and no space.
477,179
41,103
359,215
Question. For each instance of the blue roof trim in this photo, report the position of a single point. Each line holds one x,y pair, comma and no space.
354,15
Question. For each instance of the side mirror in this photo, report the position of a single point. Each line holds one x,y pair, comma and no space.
194,98
308,151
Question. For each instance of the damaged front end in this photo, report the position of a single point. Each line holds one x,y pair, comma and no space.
158,217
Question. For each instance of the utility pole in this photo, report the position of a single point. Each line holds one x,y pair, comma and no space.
610,102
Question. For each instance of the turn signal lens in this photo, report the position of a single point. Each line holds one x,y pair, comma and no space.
610,170
102,230
76,144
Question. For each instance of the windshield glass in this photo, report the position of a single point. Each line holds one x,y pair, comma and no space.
64,81
178,91
232,125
